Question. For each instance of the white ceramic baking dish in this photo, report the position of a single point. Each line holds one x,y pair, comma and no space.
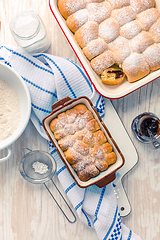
112,92
104,177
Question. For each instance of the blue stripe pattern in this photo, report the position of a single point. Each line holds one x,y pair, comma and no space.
79,205
89,223
84,76
40,88
130,235
70,187
111,227
54,150
63,76
40,109
61,170
47,66
99,204
27,59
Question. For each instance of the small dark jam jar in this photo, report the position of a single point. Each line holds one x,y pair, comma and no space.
142,123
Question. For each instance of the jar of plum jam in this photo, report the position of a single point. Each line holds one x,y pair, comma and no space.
146,127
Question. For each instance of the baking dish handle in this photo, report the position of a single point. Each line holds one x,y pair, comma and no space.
106,180
61,103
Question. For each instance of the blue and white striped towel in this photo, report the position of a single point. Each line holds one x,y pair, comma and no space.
50,78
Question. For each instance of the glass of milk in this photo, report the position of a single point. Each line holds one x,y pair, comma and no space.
29,32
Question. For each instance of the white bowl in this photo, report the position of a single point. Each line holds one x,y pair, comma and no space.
17,83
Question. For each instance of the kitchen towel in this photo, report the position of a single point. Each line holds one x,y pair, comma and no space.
50,78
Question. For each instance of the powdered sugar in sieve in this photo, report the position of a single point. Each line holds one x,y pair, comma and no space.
40,167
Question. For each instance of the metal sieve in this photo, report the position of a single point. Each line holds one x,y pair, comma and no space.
39,167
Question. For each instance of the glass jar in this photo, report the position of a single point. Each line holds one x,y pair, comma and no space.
146,126
29,32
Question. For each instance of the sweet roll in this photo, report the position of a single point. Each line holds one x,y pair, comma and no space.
98,12
148,17
87,33
68,7
152,56
135,67
111,33
140,42
95,48
77,20
141,5
86,147
130,29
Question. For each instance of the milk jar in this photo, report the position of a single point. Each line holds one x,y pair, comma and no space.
29,32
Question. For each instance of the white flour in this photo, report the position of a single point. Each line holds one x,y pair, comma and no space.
9,110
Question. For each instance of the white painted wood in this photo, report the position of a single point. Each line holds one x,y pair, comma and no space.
27,212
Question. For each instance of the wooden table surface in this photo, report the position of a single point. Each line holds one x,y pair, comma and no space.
27,212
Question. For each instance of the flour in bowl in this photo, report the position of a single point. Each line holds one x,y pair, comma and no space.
9,110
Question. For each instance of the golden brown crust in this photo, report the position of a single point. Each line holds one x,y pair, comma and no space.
87,33
82,141
94,48
141,5
110,31
112,76
102,62
140,42
148,17
92,125
154,31
67,7
152,56
110,158
77,20
135,67
101,165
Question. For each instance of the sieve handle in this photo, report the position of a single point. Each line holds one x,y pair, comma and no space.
26,149
64,201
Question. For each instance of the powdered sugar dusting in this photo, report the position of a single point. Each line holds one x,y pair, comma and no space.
109,30
140,42
74,5
85,144
124,15
77,20
120,48
130,29
135,65
40,167
102,62
119,3
141,5
155,30
99,11
152,56
100,25
94,48
148,17
87,33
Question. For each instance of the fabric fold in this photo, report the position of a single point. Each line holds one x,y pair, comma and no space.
50,78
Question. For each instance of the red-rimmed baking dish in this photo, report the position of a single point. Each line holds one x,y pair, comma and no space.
111,92
103,178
